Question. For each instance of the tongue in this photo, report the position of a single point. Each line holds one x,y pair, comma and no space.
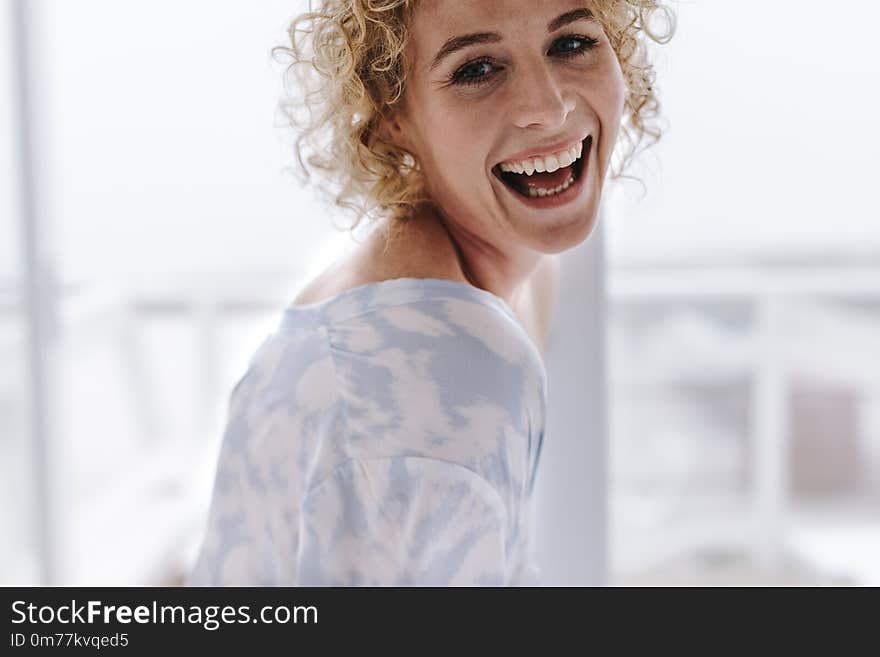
545,180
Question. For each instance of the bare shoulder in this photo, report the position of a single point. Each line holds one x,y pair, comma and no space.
418,250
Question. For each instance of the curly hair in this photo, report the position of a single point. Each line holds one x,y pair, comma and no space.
348,61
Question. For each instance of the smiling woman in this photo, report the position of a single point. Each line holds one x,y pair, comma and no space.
389,431
349,61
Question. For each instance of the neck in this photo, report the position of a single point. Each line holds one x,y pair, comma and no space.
503,272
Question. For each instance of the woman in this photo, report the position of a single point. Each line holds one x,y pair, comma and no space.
388,433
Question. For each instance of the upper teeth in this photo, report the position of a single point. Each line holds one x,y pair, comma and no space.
548,163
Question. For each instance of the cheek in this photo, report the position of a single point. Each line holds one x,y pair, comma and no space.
456,156
611,92
608,91
452,167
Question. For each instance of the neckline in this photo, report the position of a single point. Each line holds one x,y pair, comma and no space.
368,297
385,293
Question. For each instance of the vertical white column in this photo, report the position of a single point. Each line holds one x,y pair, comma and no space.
571,489
38,296
769,444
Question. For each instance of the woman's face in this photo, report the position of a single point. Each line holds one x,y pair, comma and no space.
500,85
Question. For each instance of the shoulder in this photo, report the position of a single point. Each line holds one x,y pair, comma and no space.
446,376
431,333
417,249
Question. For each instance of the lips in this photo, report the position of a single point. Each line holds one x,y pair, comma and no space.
521,183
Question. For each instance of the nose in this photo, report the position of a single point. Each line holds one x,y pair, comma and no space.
540,100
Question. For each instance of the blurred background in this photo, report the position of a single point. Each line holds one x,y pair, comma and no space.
150,235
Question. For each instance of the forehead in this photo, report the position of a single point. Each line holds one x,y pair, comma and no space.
434,22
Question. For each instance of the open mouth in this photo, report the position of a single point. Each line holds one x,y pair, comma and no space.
531,178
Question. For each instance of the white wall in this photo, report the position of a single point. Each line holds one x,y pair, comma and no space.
772,150
160,147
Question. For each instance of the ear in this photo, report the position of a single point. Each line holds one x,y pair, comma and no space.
394,127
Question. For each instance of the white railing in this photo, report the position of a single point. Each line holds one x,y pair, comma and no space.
778,301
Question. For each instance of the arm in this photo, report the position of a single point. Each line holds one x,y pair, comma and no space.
402,521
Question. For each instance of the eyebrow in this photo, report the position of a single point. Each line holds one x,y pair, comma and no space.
570,17
454,44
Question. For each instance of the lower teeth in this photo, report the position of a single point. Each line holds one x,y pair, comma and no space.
540,191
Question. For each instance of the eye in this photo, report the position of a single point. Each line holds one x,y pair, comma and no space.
474,72
482,70
571,45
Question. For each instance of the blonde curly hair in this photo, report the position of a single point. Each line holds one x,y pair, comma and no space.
347,57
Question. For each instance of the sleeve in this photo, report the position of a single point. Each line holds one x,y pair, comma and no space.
402,521
527,571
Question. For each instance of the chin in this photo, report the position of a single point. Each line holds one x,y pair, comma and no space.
566,232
